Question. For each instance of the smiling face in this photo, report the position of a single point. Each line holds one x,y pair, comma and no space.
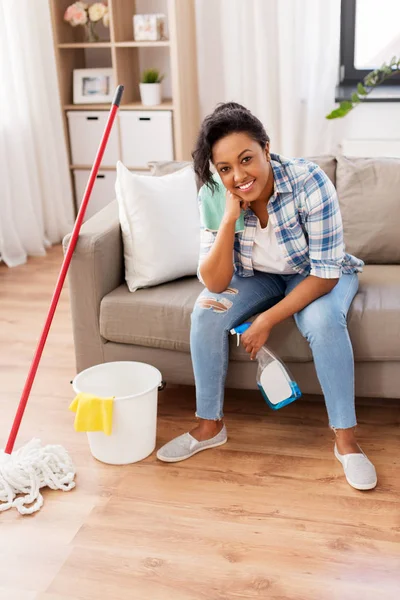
243,166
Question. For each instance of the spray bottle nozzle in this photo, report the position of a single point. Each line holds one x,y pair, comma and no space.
239,330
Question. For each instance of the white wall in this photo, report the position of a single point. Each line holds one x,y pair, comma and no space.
370,130
209,53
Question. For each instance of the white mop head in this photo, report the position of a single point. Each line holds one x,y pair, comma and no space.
24,472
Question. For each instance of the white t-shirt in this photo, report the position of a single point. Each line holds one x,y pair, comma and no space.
267,255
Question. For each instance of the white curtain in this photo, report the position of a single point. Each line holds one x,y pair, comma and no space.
36,207
280,58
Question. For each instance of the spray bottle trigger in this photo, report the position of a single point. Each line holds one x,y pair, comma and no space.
233,332
239,330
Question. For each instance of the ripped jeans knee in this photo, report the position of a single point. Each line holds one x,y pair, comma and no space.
216,303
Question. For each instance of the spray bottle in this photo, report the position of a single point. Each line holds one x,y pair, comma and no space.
274,379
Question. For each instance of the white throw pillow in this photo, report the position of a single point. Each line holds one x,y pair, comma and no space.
160,224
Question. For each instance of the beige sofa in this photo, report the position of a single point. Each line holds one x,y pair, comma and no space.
152,325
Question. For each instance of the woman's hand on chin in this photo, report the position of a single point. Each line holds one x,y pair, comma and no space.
234,205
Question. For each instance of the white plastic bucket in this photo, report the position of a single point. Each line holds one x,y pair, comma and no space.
134,386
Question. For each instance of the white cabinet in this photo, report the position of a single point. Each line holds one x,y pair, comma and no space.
85,131
103,191
145,136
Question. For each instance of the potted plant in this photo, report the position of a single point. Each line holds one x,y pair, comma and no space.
370,82
150,87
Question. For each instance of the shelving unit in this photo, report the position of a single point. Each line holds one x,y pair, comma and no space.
166,104
161,44
117,49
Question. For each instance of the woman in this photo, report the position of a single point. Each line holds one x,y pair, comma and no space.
280,221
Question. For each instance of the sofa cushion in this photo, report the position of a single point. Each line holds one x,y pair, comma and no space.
166,167
158,247
327,164
374,321
159,168
159,317
369,196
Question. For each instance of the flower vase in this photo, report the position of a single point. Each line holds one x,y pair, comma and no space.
90,33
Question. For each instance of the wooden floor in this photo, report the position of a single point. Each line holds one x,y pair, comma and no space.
269,515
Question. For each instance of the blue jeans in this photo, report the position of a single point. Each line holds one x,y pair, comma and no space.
323,323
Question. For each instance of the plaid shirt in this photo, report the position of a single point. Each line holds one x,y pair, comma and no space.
304,212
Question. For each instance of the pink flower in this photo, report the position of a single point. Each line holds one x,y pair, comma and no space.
75,15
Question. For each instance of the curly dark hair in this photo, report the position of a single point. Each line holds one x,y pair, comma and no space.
227,118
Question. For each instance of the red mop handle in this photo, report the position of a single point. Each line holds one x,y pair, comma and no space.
64,268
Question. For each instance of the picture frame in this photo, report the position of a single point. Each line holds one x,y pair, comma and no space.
93,86
149,27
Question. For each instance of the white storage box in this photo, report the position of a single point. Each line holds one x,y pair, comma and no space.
103,190
85,131
145,136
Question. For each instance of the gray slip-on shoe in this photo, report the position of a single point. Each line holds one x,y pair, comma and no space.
359,470
186,445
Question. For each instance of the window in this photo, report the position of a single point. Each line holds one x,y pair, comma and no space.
370,36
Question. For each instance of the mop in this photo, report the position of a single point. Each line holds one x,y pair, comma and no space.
25,472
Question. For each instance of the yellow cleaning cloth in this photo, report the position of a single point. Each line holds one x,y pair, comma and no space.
92,413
